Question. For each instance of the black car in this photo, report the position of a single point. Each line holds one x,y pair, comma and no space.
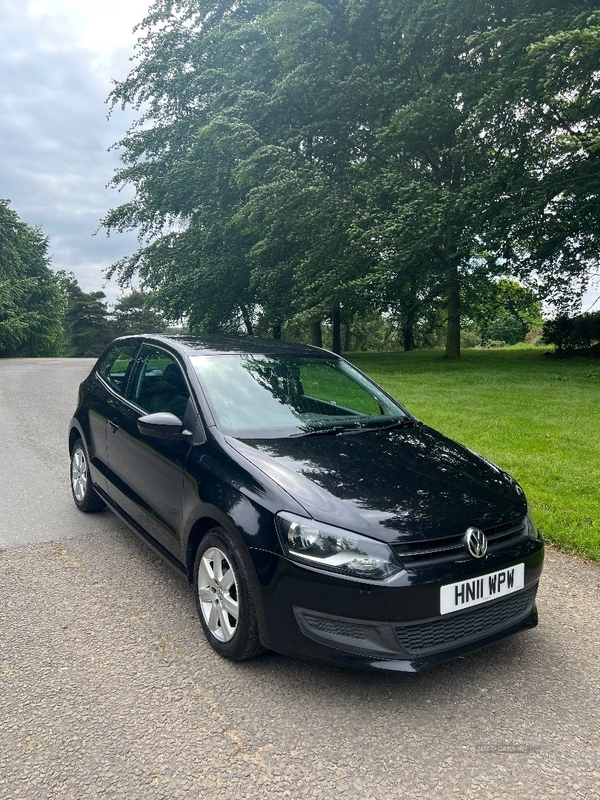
314,515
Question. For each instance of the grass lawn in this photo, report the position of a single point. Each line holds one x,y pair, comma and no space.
536,417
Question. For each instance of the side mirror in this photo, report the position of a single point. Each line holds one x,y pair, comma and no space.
162,425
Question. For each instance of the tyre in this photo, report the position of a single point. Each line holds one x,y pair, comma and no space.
224,598
84,495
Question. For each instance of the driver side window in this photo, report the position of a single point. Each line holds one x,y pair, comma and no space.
159,384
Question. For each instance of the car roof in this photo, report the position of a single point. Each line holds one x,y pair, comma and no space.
221,344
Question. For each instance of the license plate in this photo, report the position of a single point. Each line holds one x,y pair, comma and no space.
475,591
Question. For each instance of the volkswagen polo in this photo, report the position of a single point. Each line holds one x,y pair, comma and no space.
313,514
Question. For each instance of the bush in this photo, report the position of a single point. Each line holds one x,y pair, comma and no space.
469,339
506,328
573,333
535,336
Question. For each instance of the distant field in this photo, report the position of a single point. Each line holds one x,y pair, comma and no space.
538,418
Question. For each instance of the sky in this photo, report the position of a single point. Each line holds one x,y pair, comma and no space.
57,61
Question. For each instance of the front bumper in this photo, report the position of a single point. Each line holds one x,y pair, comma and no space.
395,626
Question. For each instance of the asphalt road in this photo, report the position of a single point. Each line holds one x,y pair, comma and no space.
108,689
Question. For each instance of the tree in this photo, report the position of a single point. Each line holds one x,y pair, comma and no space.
502,310
580,334
434,171
133,313
315,159
87,329
548,84
258,229
182,167
30,299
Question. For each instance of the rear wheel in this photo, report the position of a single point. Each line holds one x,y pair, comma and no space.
84,494
224,598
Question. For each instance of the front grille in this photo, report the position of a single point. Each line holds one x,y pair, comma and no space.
436,550
477,623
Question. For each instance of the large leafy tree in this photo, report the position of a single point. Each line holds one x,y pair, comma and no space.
87,329
248,158
30,299
317,158
182,165
487,159
548,85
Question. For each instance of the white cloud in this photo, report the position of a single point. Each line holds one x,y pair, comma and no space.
99,27
57,60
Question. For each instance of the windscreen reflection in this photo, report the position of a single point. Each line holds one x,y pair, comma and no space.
271,396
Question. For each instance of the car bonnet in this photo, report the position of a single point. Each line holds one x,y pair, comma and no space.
411,483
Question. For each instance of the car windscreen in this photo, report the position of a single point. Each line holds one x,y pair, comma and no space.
270,396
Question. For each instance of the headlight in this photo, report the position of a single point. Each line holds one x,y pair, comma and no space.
336,550
532,528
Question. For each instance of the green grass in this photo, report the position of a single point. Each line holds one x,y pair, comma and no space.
538,418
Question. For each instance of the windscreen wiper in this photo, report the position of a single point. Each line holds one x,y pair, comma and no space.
334,431
360,427
398,423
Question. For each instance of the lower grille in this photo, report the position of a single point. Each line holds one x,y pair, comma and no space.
427,637
334,627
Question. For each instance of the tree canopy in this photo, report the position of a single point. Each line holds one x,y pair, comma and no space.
30,299
89,324
132,313
315,159
87,330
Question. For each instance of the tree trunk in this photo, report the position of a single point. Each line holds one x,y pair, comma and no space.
347,330
277,331
408,338
452,296
247,320
408,329
453,299
316,334
336,345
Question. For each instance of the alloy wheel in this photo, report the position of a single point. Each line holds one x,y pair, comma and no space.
218,594
79,474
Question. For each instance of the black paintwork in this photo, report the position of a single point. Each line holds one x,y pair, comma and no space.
400,485
411,482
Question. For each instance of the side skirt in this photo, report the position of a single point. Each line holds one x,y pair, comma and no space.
143,534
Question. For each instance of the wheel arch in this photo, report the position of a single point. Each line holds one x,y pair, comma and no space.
199,529
203,526
74,434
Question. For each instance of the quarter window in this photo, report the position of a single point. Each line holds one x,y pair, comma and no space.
115,366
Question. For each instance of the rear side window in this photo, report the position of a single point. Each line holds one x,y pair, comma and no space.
115,366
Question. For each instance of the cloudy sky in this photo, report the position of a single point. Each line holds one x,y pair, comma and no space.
57,60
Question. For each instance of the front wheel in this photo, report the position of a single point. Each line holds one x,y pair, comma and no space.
224,598
84,495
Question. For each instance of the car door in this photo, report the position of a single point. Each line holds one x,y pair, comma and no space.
106,397
146,475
